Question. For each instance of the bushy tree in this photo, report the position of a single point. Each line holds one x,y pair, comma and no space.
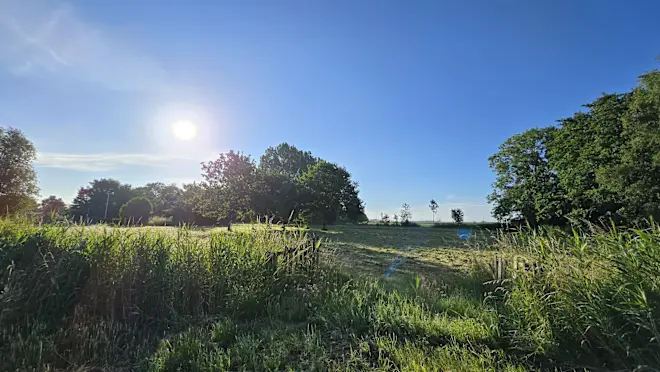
101,200
384,219
52,205
229,186
526,187
188,208
599,164
327,191
406,214
287,160
136,211
276,195
18,180
457,215
163,197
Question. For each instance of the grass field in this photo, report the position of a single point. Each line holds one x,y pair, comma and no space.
169,299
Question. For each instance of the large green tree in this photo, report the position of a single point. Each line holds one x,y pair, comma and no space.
276,195
163,197
229,184
136,211
526,187
18,180
328,193
287,160
636,176
91,202
52,205
599,164
584,147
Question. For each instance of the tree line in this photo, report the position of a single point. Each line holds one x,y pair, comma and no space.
601,164
286,185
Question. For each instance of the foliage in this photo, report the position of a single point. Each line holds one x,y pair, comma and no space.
229,182
457,216
163,197
406,215
433,205
100,196
52,205
136,210
526,187
188,208
160,221
18,180
385,219
323,185
598,165
286,160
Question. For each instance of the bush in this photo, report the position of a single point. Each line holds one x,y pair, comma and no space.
160,221
136,210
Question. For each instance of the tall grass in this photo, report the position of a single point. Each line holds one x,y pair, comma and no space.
592,299
76,298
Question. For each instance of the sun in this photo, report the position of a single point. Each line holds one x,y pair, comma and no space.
184,130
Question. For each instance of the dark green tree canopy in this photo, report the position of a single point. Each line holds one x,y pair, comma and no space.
52,205
600,164
286,159
91,201
136,211
18,180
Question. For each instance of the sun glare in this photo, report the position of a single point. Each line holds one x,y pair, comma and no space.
184,130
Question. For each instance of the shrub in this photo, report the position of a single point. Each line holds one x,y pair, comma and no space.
136,210
457,215
160,221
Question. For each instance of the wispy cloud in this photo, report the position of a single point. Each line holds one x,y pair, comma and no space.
105,162
40,37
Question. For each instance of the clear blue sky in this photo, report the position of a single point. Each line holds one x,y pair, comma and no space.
411,96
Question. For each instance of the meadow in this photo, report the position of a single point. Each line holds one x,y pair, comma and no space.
355,297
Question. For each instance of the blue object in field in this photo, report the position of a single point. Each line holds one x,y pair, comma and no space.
394,265
464,234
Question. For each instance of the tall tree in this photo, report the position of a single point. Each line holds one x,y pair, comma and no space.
585,146
18,180
52,205
434,208
101,200
136,211
189,208
406,215
457,215
229,185
163,197
276,195
286,159
636,177
328,191
525,187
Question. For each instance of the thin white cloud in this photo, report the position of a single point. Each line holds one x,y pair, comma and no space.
106,161
39,37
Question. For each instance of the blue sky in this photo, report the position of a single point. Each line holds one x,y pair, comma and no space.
412,97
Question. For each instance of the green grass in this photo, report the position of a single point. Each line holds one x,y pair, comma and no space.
171,299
